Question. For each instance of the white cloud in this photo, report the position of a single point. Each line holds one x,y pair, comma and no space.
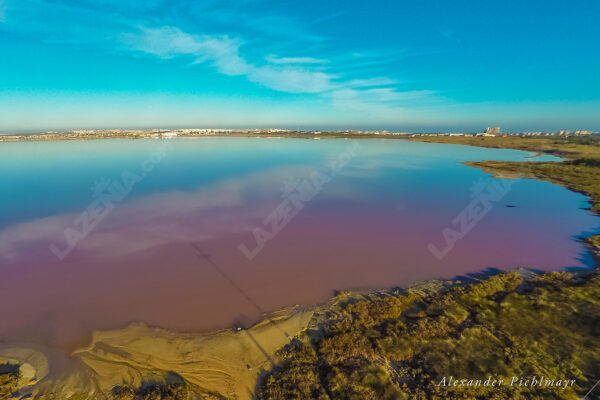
223,53
168,42
284,74
292,80
273,59
371,82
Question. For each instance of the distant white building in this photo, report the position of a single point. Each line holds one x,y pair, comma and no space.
494,131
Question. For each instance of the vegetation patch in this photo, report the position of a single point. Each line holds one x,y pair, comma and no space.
571,148
10,376
173,388
408,345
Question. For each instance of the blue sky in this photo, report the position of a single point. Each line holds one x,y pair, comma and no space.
398,65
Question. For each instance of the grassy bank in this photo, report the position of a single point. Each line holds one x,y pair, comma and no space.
402,345
573,147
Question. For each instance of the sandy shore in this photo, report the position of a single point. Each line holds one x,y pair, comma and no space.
225,364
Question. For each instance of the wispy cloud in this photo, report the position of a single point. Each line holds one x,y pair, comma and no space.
273,59
292,80
284,74
223,53
167,42
370,82
274,51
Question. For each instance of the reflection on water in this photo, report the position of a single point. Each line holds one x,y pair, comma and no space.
164,245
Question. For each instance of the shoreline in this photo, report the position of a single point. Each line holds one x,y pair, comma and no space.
166,134
463,138
229,363
216,363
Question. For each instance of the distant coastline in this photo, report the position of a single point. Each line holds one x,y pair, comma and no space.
93,134
192,133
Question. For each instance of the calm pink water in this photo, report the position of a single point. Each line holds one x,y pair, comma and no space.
365,223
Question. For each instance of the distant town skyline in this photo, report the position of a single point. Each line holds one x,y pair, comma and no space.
429,66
